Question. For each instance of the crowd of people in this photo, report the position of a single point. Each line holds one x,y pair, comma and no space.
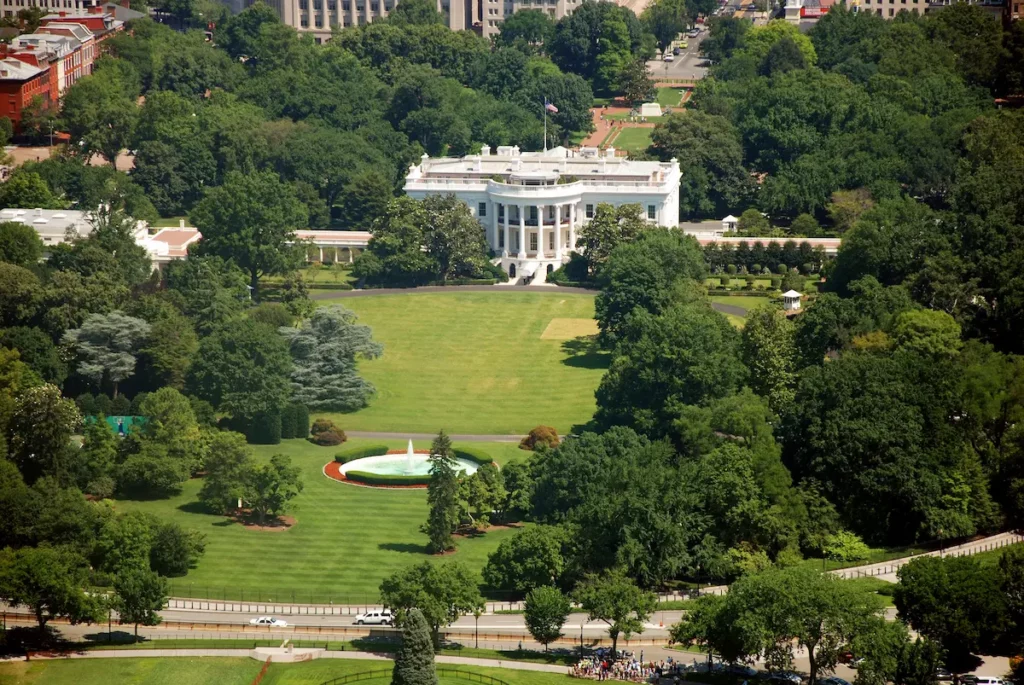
601,666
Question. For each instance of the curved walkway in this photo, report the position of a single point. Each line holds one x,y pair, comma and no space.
463,437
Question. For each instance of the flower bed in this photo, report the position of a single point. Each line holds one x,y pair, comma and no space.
333,470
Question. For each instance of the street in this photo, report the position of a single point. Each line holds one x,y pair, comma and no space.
686,65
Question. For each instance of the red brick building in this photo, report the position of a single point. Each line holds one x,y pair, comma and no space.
20,82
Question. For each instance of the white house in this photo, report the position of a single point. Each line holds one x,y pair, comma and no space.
531,204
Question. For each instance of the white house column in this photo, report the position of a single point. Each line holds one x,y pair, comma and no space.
507,235
558,231
540,231
492,207
321,255
572,226
521,254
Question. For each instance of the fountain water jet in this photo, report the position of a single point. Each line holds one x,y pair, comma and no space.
408,459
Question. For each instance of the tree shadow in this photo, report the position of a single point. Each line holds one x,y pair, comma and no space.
404,547
584,352
116,637
195,507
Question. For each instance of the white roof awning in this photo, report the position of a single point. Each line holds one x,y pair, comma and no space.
792,294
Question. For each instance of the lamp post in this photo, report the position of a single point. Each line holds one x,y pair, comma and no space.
476,639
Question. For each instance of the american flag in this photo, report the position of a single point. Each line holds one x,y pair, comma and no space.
549,107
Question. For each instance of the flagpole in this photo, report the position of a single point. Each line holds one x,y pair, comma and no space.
545,124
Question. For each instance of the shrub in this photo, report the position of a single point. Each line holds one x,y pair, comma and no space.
101,405
545,436
756,269
137,401
120,406
730,269
724,281
360,453
325,433
288,422
776,282
473,454
102,487
781,270
86,404
846,546
385,479
265,429
765,271
301,420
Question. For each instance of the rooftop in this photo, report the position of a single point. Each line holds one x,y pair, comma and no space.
540,168
15,70
52,225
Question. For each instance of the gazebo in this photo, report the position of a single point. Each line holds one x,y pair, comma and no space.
791,301
730,223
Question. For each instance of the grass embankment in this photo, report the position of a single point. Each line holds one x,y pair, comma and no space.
230,671
633,139
476,362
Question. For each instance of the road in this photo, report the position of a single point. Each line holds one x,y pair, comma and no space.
686,66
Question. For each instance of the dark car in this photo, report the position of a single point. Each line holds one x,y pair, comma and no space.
676,51
943,676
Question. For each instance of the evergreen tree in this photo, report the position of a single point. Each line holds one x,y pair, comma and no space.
414,664
442,495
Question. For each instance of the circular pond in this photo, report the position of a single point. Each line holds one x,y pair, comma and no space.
400,465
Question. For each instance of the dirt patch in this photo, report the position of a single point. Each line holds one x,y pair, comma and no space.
270,525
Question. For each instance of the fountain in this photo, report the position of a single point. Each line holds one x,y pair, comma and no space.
408,458
398,464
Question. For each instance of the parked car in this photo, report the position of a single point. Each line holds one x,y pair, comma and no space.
676,51
741,670
832,680
943,676
693,33
268,621
377,617
669,58
989,680
968,679
782,677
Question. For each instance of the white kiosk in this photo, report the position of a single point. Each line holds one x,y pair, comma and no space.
791,301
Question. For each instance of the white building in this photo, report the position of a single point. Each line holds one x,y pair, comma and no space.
531,204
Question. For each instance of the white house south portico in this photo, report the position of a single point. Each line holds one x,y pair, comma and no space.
532,204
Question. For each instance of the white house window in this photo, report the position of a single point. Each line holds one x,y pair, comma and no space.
651,210
551,240
481,209
501,211
533,242
590,211
501,238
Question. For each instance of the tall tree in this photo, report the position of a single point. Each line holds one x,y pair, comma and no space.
228,470
769,351
442,495
106,345
454,239
613,598
610,227
635,83
414,663
49,581
545,612
324,352
251,220
39,433
272,486
19,244
138,595
443,592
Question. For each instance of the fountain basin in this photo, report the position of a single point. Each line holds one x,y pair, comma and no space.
400,465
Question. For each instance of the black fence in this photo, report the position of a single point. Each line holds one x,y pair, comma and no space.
382,673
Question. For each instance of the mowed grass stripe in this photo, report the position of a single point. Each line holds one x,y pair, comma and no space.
472,363
346,541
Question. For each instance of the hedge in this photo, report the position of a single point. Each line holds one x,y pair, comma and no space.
301,419
385,479
465,281
265,429
474,455
740,293
359,453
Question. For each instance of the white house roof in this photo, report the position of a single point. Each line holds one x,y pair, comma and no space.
791,294
730,218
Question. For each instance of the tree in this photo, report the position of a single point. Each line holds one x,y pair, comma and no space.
688,355
416,13
442,495
229,467
19,294
753,223
19,244
595,41
138,595
665,19
529,559
395,252
918,662
95,463
454,239
928,333
251,220
49,581
545,612
782,57
636,84
100,115
769,351
272,486
443,592
954,601
242,368
106,345
240,35
847,206
171,347
613,598
175,550
124,542
36,349
710,154
366,198
727,35
650,273
414,663
527,28
171,424
610,227
324,352
39,432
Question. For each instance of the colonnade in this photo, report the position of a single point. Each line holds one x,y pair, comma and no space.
510,236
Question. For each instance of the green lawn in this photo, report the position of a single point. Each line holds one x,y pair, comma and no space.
147,671
634,139
346,540
669,97
474,363
230,671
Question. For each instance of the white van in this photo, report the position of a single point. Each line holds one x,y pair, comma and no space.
989,680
